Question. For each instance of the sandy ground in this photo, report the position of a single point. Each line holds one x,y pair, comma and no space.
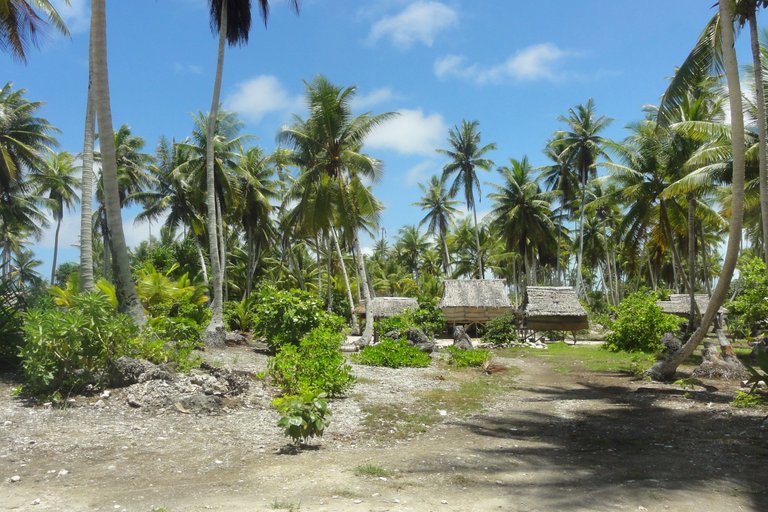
553,439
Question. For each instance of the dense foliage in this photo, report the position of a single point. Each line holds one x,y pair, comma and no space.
467,358
315,365
640,324
748,311
393,354
501,330
426,317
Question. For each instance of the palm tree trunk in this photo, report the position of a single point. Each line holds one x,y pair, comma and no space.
202,260
761,125
222,249
214,333
329,275
319,263
249,266
705,261
693,310
477,244
367,336
127,299
677,267
446,254
579,256
55,249
86,195
355,325
665,369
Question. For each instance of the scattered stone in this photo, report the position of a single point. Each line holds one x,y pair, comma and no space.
461,339
235,338
671,343
63,472
35,501
15,478
127,370
104,394
716,365
444,502
357,501
162,372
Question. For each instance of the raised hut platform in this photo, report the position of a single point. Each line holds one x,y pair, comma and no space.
552,308
471,302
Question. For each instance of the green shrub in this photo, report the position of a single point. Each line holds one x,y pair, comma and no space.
68,349
749,308
746,400
427,317
238,315
303,416
284,317
316,365
501,331
640,325
393,354
467,358
168,339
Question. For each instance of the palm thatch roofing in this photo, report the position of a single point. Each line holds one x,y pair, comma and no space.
474,301
385,307
679,304
553,308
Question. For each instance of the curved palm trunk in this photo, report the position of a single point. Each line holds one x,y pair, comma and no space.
446,254
666,369
367,336
127,299
55,249
761,126
580,255
355,325
202,260
329,276
693,312
86,196
477,242
214,333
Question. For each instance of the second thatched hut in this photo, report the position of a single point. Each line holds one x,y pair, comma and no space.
552,308
470,302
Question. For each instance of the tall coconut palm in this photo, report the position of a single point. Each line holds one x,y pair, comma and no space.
409,248
87,282
582,145
328,151
127,298
57,181
665,369
21,24
466,154
440,211
231,20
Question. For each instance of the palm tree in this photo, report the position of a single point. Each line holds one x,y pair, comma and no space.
441,210
581,147
522,216
57,182
410,247
466,154
328,152
665,369
128,299
20,24
231,20
24,264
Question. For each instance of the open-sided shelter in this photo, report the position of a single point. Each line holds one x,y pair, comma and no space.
474,301
552,308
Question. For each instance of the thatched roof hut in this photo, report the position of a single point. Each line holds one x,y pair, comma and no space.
552,308
384,307
679,304
474,301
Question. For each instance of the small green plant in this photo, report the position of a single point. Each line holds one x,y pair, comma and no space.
749,308
238,315
286,505
393,354
316,365
427,317
746,400
467,358
303,416
169,339
372,470
501,331
689,383
640,325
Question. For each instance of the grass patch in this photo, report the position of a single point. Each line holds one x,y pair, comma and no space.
390,421
372,470
286,505
589,357
345,493
745,400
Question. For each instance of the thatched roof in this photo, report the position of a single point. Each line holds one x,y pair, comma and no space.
389,306
471,301
680,305
555,308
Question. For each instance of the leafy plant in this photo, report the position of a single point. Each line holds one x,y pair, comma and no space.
284,317
393,354
467,358
749,308
427,317
316,365
640,325
501,331
238,315
168,339
303,416
747,400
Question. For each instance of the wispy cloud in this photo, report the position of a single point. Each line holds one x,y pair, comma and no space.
537,62
260,96
373,98
187,69
76,15
410,133
419,22
420,172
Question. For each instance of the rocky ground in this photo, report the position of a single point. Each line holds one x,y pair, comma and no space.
549,437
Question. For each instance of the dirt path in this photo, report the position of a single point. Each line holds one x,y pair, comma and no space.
553,441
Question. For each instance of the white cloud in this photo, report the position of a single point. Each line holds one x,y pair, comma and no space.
191,69
419,173
260,96
420,22
536,62
410,133
76,15
373,98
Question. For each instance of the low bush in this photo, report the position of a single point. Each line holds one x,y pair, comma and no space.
467,358
427,317
316,365
501,331
748,310
68,349
168,339
238,315
640,325
304,416
746,400
284,317
393,354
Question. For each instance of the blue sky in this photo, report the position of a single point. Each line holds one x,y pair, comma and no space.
514,66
